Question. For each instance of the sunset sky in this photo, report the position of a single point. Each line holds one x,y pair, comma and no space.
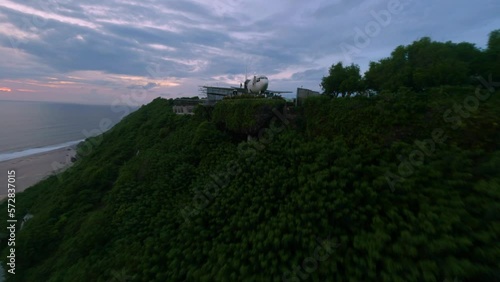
111,51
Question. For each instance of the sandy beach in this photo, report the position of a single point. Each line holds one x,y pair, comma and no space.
32,169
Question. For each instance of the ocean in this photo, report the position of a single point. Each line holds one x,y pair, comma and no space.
28,128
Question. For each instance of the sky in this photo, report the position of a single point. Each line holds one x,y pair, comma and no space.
131,51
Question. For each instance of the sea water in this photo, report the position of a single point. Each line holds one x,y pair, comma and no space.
28,128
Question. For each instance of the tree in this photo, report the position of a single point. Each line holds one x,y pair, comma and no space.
390,73
493,55
343,81
425,64
494,42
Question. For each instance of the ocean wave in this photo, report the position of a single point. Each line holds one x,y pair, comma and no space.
34,151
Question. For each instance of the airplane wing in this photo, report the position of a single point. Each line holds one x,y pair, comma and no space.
238,88
278,92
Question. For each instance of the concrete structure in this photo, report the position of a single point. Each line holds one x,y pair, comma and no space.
303,94
215,94
185,106
184,109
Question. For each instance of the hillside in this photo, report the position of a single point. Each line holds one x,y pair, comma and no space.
396,187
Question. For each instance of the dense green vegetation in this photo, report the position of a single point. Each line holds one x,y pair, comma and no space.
398,186
246,116
419,66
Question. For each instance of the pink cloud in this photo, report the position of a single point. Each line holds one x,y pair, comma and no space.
25,90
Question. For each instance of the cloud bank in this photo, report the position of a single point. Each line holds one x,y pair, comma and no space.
99,51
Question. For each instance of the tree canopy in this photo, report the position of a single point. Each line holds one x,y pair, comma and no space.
493,54
419,66
343,81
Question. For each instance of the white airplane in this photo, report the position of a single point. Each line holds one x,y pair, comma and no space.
258,85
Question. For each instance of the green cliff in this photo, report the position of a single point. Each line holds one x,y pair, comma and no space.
396,187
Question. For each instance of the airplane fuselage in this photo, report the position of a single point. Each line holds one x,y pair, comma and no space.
257,85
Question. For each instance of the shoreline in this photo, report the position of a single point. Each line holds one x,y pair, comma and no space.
34,168
27,152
